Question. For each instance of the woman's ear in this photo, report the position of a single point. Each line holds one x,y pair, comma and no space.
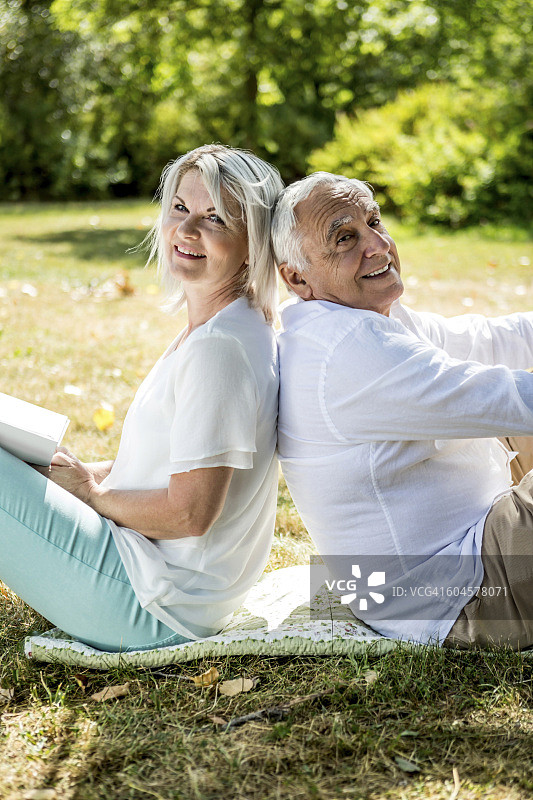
296,282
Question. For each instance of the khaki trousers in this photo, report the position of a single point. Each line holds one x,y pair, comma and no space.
501,613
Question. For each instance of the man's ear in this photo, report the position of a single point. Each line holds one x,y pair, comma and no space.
295,281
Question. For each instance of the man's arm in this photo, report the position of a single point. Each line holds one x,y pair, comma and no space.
382,383
506,340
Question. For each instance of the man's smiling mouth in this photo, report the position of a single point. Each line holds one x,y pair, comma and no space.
380,271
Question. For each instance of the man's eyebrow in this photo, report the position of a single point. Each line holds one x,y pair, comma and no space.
336,224
177,197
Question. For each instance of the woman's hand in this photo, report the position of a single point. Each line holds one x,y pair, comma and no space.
70,473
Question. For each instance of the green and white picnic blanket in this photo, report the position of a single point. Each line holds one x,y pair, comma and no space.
275,620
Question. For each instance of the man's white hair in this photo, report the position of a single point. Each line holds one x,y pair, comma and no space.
235,174
287,237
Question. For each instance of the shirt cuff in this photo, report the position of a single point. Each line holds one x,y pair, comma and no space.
232,458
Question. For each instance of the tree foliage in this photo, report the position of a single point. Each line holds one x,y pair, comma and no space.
100,94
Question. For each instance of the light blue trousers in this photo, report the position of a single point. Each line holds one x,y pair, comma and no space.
58,555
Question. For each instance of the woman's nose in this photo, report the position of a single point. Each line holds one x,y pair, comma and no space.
188,227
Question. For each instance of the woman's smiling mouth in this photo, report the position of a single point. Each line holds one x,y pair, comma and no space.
187,253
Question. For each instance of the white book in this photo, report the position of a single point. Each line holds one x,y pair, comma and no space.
30,432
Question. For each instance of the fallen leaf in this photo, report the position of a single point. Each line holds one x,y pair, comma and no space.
123,284
81,680
110,692
370,676
235,687
218,720
73,390
406,765
40,794
206,678
104,417
6,695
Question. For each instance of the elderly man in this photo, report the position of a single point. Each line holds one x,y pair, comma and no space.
388,430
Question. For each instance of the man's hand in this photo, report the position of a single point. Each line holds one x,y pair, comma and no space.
70,473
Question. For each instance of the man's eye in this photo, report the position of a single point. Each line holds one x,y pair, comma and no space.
375,222
344,238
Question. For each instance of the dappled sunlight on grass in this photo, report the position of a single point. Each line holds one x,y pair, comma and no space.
81,242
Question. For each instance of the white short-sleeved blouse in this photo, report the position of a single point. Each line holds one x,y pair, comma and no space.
210,402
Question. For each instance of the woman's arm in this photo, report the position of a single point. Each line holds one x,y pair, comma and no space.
189,506
100,470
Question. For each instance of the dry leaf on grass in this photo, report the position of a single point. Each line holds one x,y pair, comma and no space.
82,681
236,686
104,417
75,391
40,794
207,678
370,676
218,720
406,765
110,692
123,284
6,695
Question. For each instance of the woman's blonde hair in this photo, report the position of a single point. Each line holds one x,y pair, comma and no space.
255,185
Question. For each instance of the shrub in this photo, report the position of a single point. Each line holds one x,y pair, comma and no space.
440,153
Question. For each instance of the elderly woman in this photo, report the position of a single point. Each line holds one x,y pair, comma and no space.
161,546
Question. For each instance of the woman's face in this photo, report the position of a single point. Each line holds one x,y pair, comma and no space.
202,249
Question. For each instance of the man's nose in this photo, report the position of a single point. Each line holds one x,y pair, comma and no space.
377,243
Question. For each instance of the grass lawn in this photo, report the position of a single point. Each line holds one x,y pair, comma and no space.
80,326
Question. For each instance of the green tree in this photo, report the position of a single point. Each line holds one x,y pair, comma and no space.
139,81
37,101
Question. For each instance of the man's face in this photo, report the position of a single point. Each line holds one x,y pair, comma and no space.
353,260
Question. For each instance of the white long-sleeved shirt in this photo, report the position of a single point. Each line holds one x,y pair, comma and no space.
386,436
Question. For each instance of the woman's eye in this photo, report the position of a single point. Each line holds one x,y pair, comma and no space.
217,219
179,207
